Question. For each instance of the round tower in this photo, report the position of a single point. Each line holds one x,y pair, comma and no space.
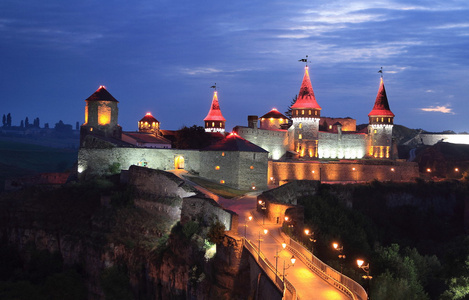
214,121
101,114
306,112
381,120
149,124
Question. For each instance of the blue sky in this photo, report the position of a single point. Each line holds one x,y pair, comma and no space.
162,57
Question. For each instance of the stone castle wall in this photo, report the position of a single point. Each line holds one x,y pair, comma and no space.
238,169
342,171
99,161
272,141
348,124
342,146
207,211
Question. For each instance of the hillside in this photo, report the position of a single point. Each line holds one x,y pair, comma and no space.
21,159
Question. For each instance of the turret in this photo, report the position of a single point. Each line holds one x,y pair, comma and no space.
214,121
101,114
273,120
149,124
306,112
381,120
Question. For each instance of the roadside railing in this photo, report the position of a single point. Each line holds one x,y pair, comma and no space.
281,283
350,287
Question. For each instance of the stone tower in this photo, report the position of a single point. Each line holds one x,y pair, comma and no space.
381,121
101,116
214,121
149,124
306,112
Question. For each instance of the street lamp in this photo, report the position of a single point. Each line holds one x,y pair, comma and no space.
265,232
366,268
310,235
341,255
263,207
246,224
284,245
292,260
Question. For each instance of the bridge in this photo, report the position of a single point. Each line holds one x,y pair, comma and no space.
308,278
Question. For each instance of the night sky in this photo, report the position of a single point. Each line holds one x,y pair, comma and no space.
163,56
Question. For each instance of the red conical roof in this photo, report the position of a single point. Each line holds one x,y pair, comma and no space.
101,94
306,97
215,113
381,107
149,118
274,113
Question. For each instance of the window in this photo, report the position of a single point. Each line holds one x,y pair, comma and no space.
302,111
223,154
375,131
213,124
300,136
300,125
330,126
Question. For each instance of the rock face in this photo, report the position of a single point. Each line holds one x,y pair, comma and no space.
130,231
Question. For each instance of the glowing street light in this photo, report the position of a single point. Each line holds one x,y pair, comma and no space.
264,209
310,235
265,232
292,260
366,268
246,224
341,255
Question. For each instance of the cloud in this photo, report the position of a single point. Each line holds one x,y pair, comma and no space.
442,109
209,70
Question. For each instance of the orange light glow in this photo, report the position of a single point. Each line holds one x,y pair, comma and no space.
335,245
360,262
392,169
222,181
286,218
101,87
250,218
260,202
217,168
429,170
148,114
284,245
266,231
307,231
293,260
456,169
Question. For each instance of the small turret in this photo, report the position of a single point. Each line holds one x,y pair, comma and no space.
214,121
149,124
273,120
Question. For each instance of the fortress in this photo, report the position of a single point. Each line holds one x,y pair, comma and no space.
307,146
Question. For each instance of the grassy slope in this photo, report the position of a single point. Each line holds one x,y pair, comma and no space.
18,159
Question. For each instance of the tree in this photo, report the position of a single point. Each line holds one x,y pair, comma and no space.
193,137
26,122
216,233
4,120
36,123
9,120
288,112
22,124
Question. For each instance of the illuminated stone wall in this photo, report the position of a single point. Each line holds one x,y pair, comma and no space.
243,170
342,171
303,136
341,145
273,141
380,142
98,161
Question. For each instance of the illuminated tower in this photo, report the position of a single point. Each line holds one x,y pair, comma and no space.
214,121
381,121
149,124
306,112
101,115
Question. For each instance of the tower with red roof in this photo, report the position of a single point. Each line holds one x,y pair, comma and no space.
306,113
101,115
149,124
273,120
214,121
381,120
